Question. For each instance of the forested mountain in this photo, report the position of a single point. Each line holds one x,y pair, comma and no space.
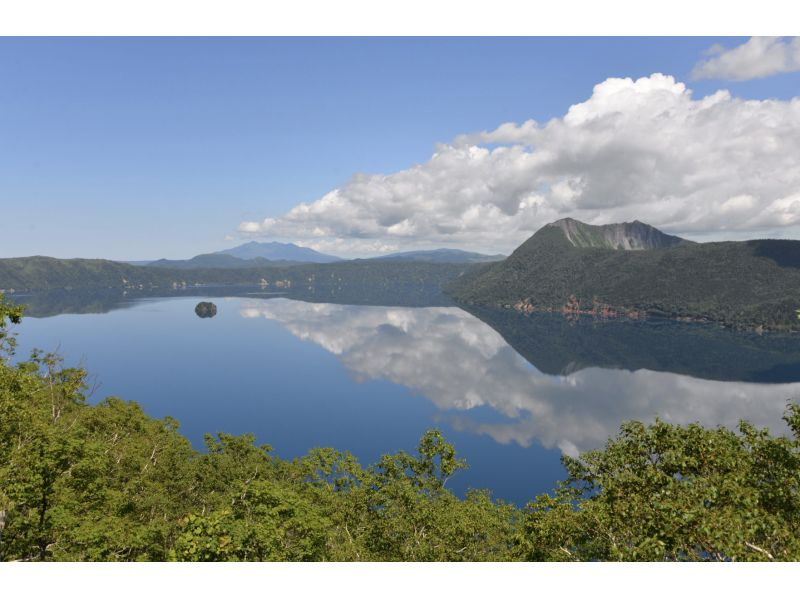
42,273
564,268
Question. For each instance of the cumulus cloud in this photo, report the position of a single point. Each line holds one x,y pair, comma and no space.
756,58
351,246
643,149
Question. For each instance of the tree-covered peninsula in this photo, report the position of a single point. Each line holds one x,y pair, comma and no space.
634,270
106,482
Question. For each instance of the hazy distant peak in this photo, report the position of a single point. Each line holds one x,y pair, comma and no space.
629,236
255,244
443,255
274,250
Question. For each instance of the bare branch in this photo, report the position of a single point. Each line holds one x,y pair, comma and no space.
759,549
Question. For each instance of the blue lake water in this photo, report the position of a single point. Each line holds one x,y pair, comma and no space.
371,379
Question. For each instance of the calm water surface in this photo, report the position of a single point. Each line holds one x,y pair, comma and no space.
371,380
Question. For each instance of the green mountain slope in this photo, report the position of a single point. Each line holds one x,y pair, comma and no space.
218,260
40,272
741,284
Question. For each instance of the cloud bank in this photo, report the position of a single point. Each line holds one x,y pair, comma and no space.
758,57
643,149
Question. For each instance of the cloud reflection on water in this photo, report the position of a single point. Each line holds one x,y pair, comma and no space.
460,363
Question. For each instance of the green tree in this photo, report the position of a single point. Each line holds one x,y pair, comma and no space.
668,492
400,509
9,314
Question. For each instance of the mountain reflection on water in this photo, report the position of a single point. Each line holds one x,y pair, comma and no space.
460,363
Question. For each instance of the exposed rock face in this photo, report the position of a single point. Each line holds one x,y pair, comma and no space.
629,236
205,309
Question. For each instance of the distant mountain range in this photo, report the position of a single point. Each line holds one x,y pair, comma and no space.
256,255
449,256
635,270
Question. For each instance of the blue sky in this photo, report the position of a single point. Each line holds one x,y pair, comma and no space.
138,148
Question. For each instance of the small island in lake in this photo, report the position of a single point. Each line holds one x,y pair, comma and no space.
205,309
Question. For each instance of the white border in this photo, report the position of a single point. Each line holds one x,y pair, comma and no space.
402,580
397,17
408,17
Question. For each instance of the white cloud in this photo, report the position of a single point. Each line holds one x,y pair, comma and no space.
251,227
756,58
351,246
641,149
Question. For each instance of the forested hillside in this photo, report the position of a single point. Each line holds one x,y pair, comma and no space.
357,280
218,260
747,284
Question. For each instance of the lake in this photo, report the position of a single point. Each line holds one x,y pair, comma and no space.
511,392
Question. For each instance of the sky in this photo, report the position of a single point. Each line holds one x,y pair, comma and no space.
141,148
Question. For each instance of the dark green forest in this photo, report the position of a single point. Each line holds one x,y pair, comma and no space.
353,279
748,284
106,482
